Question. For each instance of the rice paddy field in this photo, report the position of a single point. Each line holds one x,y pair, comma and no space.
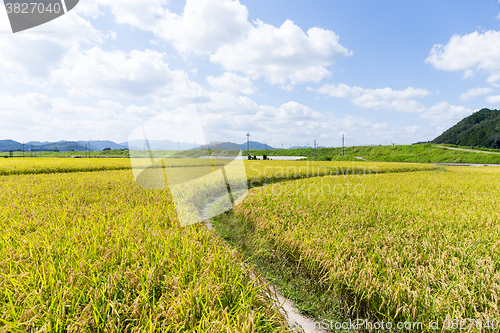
419,246
19,166
93,252
84,249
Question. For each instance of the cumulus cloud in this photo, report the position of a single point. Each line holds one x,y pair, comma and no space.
220,29
225,117
89,8
34,55
136,74
445,114
475,92
232,117
384,98
40,117
232,83
282,55
493,99
139,14
204,26
398,100
469,53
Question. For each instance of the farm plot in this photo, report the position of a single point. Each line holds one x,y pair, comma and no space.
256,170
92,252
19,166
266,172
416,246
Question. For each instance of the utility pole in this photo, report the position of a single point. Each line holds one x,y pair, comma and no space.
23,149
281,146
248,144
342,144
315,150
89,148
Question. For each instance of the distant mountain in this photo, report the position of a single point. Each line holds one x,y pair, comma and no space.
480,129
101,144
70,145
60,145
6,145
220,145
254,145
98,145
170,145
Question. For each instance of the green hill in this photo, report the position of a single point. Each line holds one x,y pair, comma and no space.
423,153
480,129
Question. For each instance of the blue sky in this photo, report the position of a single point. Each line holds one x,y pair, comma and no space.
287,71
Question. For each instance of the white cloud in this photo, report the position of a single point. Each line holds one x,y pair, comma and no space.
201,29
143,15
226,117
137,74
385,98
89,8
34,116
293,111
232,117
468,73
204,26
444,114
475,92
220,28
340,90
398,100
493,99
282,55
470,52
34,55
232,83
229,104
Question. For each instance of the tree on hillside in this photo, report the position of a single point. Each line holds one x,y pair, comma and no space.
480,129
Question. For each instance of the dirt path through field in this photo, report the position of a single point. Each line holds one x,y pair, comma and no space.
470,150
294,317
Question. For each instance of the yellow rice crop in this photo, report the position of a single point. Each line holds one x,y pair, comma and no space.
265,172
16,166
256,170
92,252
402,246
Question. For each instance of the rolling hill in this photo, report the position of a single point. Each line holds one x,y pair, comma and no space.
480,129
6,145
